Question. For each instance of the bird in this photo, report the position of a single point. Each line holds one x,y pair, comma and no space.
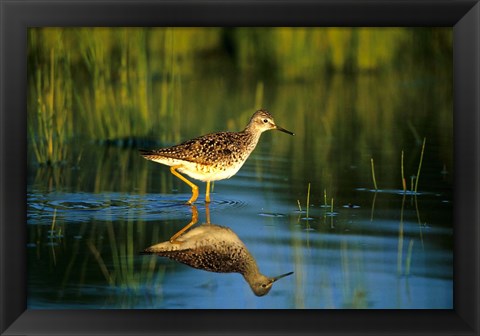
214,156
215,248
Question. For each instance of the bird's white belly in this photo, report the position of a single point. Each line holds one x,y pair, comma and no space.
201,172
204,173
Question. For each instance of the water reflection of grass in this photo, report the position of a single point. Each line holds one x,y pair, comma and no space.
123,273
356,291
116,255
98,250
119,83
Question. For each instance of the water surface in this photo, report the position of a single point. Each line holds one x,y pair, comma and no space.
383,249
90,217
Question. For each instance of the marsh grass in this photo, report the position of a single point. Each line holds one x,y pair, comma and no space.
373,174
413,185
308,201
99,83
50,124
404,182
299,206
117,103
115,84
325,206
420,164
315,51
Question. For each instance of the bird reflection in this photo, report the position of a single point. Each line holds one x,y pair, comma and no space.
214,248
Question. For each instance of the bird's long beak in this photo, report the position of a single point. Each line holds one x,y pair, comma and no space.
281,276
278,128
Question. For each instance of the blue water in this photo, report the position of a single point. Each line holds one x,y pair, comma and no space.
83,246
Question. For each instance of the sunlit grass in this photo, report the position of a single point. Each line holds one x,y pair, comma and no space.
117,83
373,174
420,164
49,124
308,201
404,182
126,83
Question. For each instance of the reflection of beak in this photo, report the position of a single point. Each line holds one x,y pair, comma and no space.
284,130
281,276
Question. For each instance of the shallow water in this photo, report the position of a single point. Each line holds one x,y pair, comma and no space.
383,249
89,218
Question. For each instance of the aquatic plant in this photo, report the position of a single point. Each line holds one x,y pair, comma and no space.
404,182
50,106
420,164
373,175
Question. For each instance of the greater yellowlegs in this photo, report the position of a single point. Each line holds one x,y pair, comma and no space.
214,156
215,248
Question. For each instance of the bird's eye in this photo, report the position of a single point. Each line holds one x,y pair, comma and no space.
265,121
264,286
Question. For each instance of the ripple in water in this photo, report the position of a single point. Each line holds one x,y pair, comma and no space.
83,207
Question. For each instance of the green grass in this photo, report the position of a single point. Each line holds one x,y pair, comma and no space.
111,84
373,174
308,200
404,182
420,164
49,124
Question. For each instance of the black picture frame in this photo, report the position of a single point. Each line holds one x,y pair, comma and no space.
16,16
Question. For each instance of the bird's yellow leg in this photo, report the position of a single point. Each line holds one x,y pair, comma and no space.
194,197
173,240
207,212
207,194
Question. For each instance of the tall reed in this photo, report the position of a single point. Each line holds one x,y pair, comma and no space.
420,164
50,105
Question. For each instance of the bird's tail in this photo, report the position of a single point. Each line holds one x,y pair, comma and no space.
163,249
145,151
